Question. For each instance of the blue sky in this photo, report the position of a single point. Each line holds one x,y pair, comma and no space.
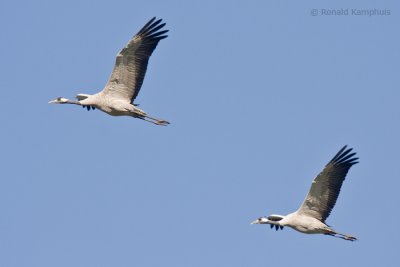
260,96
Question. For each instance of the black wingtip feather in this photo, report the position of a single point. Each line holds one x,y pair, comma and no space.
343,157
147,25
151,30
157,22
339,153
154,29
150,25
157,34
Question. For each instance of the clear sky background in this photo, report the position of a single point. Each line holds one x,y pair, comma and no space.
260,96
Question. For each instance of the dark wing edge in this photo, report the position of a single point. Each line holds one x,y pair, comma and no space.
326,186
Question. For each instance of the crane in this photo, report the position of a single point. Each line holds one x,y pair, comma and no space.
126,79
320,200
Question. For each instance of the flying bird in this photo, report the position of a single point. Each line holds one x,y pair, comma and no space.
126,78
310,217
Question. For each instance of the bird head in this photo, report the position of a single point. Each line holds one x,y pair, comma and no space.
271,219
261,220
59,100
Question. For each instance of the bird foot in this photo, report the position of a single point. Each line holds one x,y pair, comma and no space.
162,122
349,237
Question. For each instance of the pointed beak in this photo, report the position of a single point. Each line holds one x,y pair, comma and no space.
255,222
53,101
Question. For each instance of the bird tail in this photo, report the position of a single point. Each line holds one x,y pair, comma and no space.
349,237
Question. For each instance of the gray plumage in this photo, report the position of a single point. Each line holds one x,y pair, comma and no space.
127,77
320,200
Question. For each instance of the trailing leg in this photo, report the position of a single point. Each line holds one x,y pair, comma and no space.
342,236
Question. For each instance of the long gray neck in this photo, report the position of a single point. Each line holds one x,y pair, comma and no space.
74,102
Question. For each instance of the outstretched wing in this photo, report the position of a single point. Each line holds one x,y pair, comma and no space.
131,62
326,186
